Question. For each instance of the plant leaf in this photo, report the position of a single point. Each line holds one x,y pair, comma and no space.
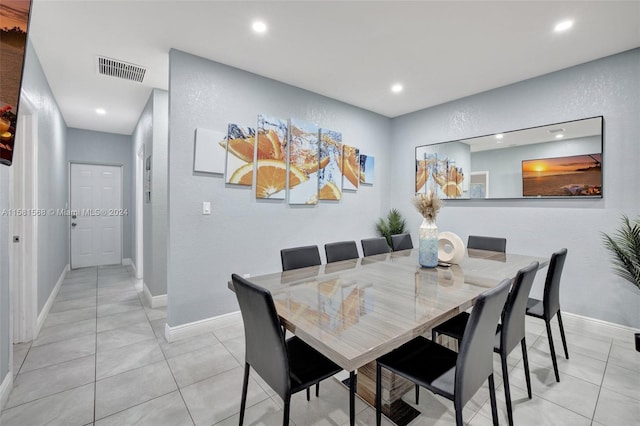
393,224
624,245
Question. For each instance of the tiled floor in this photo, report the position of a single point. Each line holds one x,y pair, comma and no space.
101,359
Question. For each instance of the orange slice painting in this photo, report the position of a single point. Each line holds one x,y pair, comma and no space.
271,176
350,167
330,192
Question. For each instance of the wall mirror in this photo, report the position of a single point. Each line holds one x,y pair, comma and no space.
553,161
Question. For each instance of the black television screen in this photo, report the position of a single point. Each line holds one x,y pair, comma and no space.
14,21
572,176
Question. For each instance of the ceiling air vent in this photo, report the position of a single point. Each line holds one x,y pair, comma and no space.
116,68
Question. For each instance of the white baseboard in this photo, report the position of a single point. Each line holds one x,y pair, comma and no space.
5,389
198,327
601,322
128,261
47,306
153,301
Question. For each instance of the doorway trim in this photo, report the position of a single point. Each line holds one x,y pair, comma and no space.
24,255
139,246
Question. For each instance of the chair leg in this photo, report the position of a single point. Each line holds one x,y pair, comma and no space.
287,406
525,361
492,397
378,394
308,395
417,394
564,339
553,351
352,397
459,416
317,389
245,384
507,391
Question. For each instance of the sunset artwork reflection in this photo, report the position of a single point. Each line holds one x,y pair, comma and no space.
577,175
14,19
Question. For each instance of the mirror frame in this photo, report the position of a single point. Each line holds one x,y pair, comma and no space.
481,177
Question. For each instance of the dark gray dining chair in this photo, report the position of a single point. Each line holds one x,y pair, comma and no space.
549,306
373,246
455,376
343,250
299,257
509,333
286,365
401,242
487,243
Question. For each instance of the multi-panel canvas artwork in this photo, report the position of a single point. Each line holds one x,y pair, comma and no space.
441,174
210,151
285,159
271,166
240,146
422,174
350,168
330,171
367,163
303,163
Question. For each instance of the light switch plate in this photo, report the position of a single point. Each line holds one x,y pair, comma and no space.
206,207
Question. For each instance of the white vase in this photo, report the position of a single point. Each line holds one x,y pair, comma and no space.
428,248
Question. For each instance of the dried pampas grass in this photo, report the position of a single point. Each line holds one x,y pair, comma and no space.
428,205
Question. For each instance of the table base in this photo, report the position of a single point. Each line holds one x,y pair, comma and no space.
398,411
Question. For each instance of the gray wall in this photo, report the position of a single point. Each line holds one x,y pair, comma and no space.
152,131
53,250
243,235
53,231
87,146
608,87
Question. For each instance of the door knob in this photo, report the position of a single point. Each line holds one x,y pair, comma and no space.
73,224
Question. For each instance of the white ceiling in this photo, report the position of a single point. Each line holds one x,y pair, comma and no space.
348,50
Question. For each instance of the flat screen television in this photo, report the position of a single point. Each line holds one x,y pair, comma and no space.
572,176
14,22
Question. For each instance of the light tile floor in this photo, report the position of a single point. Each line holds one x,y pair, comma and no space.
101,359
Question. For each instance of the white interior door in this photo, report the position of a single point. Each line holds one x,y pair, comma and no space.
96,215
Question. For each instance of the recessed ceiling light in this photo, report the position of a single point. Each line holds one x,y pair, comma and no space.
559,136
499,136
259,26
563,25
101,111
397,88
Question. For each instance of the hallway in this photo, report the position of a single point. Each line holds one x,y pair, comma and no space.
101,359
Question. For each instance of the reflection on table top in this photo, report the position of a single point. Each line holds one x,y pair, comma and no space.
357,310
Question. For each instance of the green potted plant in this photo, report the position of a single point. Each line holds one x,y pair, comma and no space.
624,246
393,224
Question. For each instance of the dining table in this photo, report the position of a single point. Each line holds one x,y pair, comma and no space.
355,311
